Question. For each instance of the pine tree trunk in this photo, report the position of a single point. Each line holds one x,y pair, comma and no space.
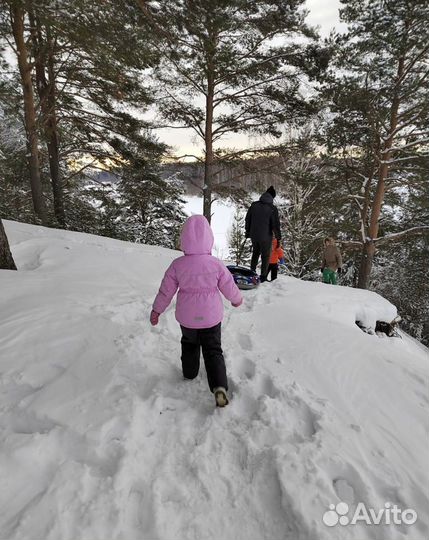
6,259
51,131
366,264
54,167
377,204
46,88
17,22
208,167
368,248
209,157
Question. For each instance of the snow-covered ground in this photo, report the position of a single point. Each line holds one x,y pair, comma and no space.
101,439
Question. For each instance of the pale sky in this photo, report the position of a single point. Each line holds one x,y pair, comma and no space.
323,14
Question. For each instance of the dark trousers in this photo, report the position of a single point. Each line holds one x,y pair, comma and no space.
261,249
209,340
273,268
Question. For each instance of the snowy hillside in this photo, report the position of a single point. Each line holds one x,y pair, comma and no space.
101,439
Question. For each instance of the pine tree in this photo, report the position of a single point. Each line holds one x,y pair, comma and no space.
99,69
89,92
401,271
13,16
240,250
232,66
380,123
151,209
46,50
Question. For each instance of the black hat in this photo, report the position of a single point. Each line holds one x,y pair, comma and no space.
271,191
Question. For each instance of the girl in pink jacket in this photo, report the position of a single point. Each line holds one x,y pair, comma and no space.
199,310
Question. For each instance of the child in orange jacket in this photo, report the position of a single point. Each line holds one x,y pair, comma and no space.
277,254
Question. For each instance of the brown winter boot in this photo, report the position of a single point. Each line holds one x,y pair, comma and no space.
220,396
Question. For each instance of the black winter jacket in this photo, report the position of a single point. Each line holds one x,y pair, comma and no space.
262,220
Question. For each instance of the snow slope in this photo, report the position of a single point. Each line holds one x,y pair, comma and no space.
101,439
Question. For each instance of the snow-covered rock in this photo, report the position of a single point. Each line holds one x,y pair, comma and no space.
100,437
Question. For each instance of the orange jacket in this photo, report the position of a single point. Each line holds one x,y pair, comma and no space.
276,253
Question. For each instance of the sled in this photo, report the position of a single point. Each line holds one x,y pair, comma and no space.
244,278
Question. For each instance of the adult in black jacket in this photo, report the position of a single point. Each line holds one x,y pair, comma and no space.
262,223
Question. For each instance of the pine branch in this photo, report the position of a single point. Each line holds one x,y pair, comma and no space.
196,126
351,244
411,64
414,231
197,158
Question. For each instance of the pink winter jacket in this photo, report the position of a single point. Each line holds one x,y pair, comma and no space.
199,277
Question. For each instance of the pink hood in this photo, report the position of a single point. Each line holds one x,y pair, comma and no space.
197,236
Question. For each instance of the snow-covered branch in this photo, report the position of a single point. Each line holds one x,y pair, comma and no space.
197,158
407,158
405,146
351,244
394,237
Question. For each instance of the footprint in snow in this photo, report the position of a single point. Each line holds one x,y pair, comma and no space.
263,296
245,342
139,509
348,483
344,490
123,342
246,368
303,418
250,300
307,424
267,387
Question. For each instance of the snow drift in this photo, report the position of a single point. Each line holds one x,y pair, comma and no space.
101,438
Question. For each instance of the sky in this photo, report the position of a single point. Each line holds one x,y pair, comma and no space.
324,15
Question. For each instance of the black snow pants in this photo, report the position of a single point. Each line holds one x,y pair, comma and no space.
273,268
261,248
209,340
